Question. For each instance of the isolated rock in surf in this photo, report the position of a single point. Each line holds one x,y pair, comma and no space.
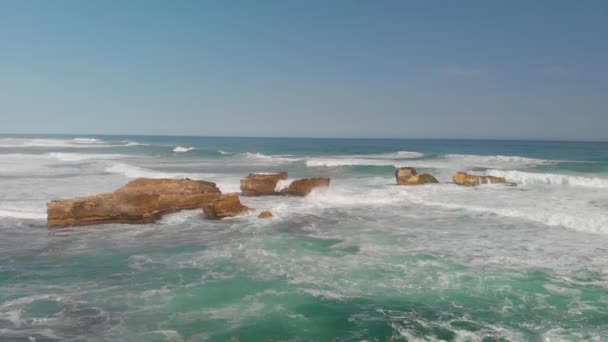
140,201
265,214
228,205
409,176
260,184
465,179
303,187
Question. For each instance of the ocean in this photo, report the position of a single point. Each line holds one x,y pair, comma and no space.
365,260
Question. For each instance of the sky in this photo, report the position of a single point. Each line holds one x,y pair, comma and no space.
306,68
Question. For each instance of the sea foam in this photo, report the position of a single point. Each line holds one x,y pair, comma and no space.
529,178
180,149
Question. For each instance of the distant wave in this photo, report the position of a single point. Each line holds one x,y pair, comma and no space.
131,171
449,161
87,141
69,157
268,158
224,152
180,149
63,143
552,179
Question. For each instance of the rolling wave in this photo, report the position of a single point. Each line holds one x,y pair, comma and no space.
529,178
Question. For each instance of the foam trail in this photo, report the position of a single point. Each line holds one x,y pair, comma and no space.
590,222
22,214
530,178
180,149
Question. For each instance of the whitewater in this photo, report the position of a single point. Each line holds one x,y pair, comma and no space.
365,260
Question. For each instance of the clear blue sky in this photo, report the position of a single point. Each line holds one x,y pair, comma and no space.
410,69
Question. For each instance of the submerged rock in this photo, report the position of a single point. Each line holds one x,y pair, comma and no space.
228,205
259,184
140,201
265,214
303,187
409,176
465,179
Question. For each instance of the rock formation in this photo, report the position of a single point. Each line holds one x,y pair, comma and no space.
259,184
265,214
409,176
140,201
228,205
303,187
465,179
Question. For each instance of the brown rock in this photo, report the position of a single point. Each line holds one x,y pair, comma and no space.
140,201
228,205
303,187
409,176
257,184
265,214
465,179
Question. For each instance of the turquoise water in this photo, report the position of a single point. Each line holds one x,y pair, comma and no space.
364,261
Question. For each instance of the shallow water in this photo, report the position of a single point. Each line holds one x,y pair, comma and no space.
365,260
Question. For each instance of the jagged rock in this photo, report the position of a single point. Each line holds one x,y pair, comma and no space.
265,214
259,184
303,187
465,179
228,205
409,176
140,201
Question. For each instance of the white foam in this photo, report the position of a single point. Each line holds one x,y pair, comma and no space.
282,184
224,152
87,141
131,171
530,178
558,210
268,158
22,214
69,157
63,143
180,149
450,162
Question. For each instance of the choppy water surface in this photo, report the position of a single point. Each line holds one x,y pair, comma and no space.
364,261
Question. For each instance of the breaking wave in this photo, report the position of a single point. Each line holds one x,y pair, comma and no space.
529,178
63,143
180,149
131,171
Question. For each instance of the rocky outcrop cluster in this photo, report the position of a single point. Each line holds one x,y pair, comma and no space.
147,200
261,184
409,176
465,179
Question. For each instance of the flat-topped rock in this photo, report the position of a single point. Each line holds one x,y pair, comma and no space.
260,184
140,201
409,176
465,179
303,187
228,205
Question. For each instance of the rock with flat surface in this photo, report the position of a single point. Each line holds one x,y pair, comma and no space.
409,176
140,201
260,184
228,205
303,187
465,179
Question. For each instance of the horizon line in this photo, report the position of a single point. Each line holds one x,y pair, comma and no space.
301,137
